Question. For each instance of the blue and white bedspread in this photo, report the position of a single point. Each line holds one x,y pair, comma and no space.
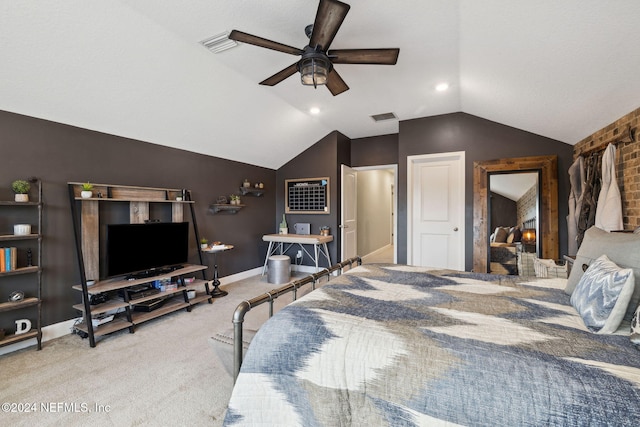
391,345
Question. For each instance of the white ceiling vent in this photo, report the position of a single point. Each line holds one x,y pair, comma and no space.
219,43
383,116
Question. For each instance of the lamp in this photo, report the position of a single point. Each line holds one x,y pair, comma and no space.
529,236
314,69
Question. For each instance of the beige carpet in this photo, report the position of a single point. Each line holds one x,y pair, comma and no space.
166,373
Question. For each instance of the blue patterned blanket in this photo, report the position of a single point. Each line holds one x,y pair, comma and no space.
392,345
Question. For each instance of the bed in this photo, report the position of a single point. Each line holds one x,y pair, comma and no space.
504,246
401,345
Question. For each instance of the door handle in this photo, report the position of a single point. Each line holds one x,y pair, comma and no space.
343,226
455,228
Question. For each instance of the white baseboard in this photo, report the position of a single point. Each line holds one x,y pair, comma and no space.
240,276
377,251
49,332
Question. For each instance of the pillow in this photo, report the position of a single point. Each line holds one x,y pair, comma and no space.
517,235
635,327
602,295
621,248
500,235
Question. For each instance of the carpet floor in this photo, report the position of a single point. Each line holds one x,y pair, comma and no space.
166,373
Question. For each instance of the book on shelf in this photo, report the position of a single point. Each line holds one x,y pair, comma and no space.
8,259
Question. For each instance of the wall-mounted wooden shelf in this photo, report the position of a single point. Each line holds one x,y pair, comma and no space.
225,208
252,191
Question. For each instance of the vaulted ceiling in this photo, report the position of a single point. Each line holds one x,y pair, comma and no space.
136,68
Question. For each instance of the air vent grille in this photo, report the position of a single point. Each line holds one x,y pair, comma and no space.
383,116
219,43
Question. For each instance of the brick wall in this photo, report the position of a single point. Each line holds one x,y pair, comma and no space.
527,205
627,162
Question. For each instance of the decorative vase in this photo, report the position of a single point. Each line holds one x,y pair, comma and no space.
22,229
246,183
22,198
85,194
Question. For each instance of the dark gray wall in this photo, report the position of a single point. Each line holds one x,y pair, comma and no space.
481,140
59,154
323,159
375,150
503,212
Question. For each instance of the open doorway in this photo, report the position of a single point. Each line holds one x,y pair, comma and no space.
376,213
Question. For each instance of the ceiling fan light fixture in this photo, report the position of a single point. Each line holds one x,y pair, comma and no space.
314,71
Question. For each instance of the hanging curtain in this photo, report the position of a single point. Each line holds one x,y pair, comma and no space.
591,191
609,205
576,198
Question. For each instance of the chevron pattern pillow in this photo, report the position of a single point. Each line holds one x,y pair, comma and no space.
635,327
603,294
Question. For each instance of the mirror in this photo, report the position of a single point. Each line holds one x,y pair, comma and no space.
547,226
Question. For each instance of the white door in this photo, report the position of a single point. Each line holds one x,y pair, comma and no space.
435,211
349,203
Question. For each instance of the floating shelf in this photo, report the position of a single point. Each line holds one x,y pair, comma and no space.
252,191
227,208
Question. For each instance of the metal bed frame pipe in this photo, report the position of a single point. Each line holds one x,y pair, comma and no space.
245,306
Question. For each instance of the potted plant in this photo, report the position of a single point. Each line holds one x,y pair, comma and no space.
21,188
204,243
235,199
87,190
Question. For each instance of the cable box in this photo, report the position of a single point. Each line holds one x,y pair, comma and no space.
149,305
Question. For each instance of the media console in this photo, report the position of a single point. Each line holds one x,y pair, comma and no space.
129,297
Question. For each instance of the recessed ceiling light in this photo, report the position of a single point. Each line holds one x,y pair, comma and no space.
442,87
314,110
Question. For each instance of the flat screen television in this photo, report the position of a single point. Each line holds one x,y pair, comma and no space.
141,248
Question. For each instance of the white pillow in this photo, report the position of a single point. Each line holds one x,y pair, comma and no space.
603,294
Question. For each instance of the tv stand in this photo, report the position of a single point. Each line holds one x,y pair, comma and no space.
153,272
86,213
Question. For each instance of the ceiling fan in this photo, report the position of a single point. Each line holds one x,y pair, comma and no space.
316,64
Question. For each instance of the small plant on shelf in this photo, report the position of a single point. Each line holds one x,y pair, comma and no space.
235,199
204,243
87,190
21,188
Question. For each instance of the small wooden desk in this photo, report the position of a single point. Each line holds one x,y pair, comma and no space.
278,241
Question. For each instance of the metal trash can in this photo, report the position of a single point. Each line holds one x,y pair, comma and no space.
279,269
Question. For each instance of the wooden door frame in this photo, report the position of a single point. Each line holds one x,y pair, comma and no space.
548,221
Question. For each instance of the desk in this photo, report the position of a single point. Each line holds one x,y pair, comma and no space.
278,241
217,292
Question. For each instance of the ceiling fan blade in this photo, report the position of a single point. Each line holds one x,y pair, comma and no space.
239,36
364,56
280,75
335,84
329,17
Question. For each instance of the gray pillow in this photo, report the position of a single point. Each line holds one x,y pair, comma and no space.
602,295
635,328
621,248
